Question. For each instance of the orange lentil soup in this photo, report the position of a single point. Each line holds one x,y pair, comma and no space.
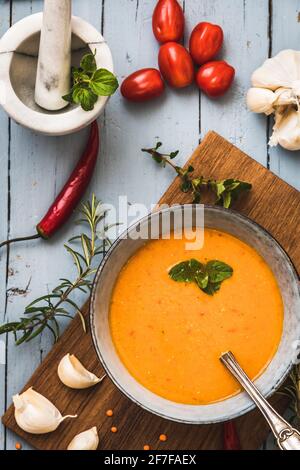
170,335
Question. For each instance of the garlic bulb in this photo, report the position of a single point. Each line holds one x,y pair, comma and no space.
276,89
87,440
72,373
35,414
282,70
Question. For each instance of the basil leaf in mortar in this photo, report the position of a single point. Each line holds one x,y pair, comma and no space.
208,277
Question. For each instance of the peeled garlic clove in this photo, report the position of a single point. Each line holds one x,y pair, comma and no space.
87,440
260,100
35,414
287,130
279,71
72,373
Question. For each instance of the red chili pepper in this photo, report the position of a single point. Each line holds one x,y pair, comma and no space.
231,440
71,194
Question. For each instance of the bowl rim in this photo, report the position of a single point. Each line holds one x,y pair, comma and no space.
92,314
55,124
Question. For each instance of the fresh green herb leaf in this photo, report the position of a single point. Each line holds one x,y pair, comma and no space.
157,158
88,83
227,199
202,279
85,97
186,271
237,188
186,185
88,63
69,97
104,83
208,277
218,271
174,154
225,191
76,75
218,187
212,289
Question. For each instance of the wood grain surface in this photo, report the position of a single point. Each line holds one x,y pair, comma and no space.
272,203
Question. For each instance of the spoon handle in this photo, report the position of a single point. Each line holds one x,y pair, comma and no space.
287,437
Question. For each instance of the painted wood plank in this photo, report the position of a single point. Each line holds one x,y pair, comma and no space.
285,35
4,139
173,119
39,168
245,25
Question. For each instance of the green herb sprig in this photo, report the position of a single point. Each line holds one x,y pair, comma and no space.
208,277
88,83
291,390
45,312
225,191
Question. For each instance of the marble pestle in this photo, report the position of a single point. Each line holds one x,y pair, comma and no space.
54,61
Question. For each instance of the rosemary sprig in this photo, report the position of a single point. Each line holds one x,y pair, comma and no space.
45,312
225,191
292,391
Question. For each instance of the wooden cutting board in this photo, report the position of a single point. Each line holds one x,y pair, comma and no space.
273,204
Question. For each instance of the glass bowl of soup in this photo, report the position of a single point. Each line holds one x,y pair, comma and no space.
160,340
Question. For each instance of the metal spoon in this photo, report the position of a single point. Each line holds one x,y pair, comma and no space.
287,437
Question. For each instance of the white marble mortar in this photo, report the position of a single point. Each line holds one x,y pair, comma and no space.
19,49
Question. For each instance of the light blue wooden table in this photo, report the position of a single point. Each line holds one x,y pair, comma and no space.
33,168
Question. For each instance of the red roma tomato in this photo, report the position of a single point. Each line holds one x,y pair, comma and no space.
168,21
143,85
176,65
215,78
205,42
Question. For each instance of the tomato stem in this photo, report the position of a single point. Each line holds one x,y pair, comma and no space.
17,240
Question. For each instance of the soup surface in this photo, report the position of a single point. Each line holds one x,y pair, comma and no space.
170,335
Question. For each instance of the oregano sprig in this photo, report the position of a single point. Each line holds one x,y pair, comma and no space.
225,191
88,83
44,313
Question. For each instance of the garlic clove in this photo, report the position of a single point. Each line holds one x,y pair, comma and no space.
285,97
280,71
35,414
72,373
87,440
260,100
287,130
